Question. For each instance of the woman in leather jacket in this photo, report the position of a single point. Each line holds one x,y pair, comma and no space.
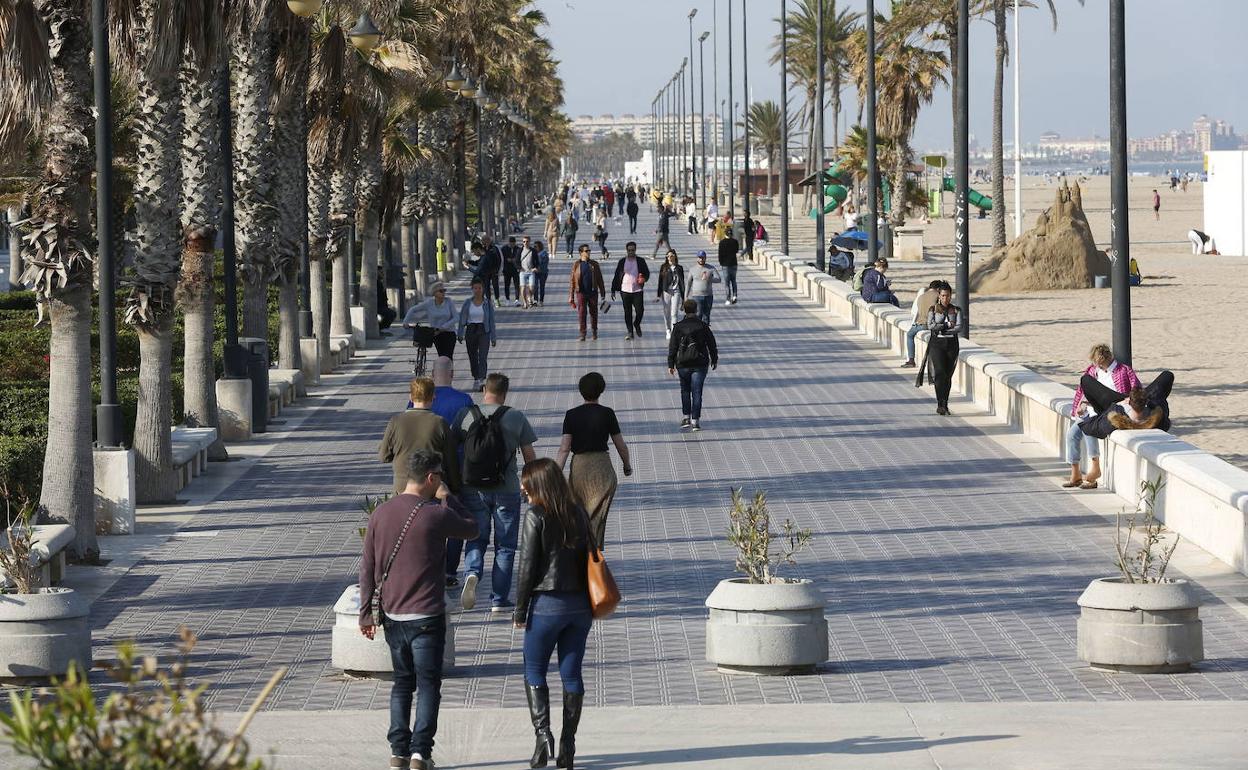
552,602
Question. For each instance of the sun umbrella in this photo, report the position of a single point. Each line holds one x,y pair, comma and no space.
853,240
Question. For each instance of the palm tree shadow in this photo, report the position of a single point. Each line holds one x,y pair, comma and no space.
861,745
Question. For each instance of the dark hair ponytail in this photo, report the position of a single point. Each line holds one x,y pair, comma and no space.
543,480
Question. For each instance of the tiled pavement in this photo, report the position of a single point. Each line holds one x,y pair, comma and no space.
950,569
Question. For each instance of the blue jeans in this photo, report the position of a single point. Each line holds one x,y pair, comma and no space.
691,382
501,511
910,335
885,296
557,619
704,307
730,281
1073,438
416,648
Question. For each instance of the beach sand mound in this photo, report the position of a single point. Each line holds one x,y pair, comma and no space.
1058,253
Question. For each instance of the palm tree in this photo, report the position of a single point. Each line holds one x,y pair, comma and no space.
802,34
766,132
47,96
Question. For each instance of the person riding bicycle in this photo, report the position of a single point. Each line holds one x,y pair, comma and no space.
439,318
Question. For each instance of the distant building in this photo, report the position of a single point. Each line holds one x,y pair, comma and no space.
1207,135
1052,145
587,128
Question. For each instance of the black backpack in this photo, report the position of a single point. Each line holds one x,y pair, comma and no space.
485,450
689,355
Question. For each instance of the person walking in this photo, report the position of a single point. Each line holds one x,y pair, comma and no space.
691,213
712,216
700,287
551,230
944,321
729,246
448,402
437,312
417,427
569,233
403,556
918,318
631,209
543,272
490,265
585,289
552,604
631,274
608,197
490,435
690,351
528,274
663,230
511,271
671,291
586,430
748,228
476,330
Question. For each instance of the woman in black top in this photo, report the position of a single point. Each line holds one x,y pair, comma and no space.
944,321
552,602
586,430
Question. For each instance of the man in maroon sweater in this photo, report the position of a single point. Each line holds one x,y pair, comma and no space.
413,604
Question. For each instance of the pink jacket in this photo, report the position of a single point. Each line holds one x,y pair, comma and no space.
1124,380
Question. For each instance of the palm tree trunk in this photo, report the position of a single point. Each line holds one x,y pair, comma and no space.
836,111
998,140
342,211
288,314
318,238
368,200
201,196
155,478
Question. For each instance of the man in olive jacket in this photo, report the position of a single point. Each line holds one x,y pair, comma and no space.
418,428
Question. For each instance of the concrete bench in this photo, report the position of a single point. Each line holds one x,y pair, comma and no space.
293,384
340,347
275,399
47,551
190,451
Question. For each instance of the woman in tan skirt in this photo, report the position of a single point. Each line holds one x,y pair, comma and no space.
586,429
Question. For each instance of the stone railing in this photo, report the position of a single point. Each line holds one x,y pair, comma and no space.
1204,498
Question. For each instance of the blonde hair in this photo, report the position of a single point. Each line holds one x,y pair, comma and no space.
1100,352
422,390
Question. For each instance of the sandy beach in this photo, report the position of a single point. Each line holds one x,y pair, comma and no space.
1183,316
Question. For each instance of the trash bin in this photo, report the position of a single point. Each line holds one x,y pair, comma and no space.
258,372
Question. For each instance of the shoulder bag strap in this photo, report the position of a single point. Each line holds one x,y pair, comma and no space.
394,552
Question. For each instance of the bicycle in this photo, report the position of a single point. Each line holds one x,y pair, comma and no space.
422,340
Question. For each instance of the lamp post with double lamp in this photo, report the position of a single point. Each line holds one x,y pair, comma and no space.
745,114
693,137
654,139
962,169
702,112
784,127
685,151
716,124
108,412
873,164
364,37
732,150
305,9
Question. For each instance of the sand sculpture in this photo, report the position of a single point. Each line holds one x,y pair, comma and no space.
1058,253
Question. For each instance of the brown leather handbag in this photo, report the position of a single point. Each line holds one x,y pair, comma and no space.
604,594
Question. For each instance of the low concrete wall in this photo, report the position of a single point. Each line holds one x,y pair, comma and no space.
1205,498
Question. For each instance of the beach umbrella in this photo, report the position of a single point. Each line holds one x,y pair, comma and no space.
853,240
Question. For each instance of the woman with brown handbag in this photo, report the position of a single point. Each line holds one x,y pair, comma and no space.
553,602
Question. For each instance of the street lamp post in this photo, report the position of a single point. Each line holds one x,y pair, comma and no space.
961,170
1120,281
108,412
680,125
702,113
732,154
305,10
693,137
784,127
234,357
716,124
820,233
873,159
745,115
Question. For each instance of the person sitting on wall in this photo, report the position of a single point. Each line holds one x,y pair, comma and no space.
875,287
1140,409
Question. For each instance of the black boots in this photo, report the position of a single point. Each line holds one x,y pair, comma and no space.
572,702
539,711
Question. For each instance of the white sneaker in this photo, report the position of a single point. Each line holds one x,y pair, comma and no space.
694,426
727,302
669,334
516,304
468,597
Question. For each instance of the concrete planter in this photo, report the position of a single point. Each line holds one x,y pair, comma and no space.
772,629
1142,628
352,652
42,633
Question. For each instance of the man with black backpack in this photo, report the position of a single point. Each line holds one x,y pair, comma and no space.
690,352
490,435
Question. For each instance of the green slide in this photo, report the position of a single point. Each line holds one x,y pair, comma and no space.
835,195
976,199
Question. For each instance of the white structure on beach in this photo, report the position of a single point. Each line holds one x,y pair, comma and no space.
1226,201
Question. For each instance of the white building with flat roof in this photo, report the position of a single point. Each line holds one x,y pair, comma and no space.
587,128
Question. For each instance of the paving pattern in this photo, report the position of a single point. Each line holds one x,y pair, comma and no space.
951,570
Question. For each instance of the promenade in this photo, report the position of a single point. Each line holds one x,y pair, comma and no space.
950,565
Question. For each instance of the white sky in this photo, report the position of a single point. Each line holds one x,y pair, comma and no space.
1184,58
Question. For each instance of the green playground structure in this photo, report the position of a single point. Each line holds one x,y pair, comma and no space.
973,197
834,193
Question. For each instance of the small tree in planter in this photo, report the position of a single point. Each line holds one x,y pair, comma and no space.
763,624
43,631
1141,621
370,504
749,531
